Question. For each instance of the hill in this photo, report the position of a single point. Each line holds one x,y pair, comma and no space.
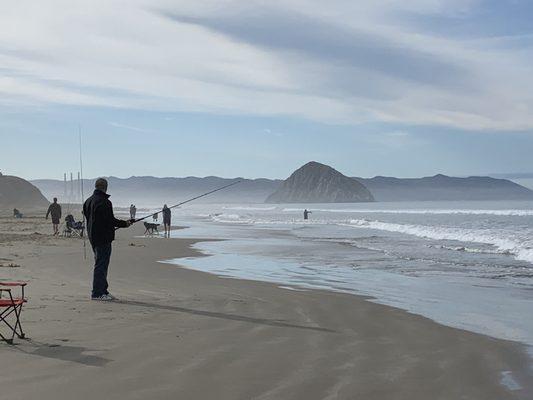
19,193
152,191
319,183
445,188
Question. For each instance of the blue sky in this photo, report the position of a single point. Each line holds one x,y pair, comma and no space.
255,89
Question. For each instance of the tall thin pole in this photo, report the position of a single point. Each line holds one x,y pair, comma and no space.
82,194
81,168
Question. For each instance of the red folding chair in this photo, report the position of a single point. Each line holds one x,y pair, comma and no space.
11,308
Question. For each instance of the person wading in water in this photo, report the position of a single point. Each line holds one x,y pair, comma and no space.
101,224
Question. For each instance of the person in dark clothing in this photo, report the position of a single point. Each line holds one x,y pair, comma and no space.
101,224
167,215
55,212
133,211
306,214
17,213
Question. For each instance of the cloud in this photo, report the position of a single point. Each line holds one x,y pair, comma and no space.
129,127
341,62
281,30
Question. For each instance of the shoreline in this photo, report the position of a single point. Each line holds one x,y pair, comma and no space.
253,339
228,261
507,380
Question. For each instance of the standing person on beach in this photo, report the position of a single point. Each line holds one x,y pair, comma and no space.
101,224
133,211
167,215
306,214
55,212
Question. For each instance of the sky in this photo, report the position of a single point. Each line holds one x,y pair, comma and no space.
258,88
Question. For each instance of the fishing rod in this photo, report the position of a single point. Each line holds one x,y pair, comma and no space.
82,194
188,201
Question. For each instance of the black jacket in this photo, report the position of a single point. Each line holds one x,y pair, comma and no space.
101,222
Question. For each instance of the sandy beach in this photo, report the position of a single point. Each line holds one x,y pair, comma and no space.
182,334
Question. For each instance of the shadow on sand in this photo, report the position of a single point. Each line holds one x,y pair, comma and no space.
61,352
231,317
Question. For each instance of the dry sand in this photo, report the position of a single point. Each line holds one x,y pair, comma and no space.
181,334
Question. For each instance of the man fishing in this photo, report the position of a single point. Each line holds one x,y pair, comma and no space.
101,224
55,212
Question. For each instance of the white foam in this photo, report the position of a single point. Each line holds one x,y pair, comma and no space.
509,381
520,213
243,208
231,218
522,249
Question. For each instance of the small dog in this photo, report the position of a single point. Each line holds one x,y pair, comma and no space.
150,228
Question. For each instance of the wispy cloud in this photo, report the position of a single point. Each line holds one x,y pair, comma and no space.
341,62
129,127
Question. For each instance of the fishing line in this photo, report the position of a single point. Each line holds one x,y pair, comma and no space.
187,201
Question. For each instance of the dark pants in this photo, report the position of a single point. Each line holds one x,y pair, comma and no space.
102,255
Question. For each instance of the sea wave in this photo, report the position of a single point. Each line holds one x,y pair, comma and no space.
521,248
508,212
231,218
246,208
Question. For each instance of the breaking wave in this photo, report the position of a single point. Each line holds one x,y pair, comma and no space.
510,212
522,249
231,219
519,245
242,208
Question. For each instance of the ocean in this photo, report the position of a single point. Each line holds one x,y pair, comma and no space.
464,264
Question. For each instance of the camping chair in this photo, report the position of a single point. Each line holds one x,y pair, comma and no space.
73,227
10,309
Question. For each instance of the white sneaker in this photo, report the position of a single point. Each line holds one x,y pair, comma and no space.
110,296
104,297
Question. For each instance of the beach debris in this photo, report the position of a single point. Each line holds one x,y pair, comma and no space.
10,265
136,245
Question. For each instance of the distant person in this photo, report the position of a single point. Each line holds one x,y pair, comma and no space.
167,215
306,214
101,224
133,211
155,217
17,213
55,212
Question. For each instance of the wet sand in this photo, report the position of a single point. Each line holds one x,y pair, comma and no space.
184,334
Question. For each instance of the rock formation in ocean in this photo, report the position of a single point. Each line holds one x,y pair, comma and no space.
19,193
319,183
